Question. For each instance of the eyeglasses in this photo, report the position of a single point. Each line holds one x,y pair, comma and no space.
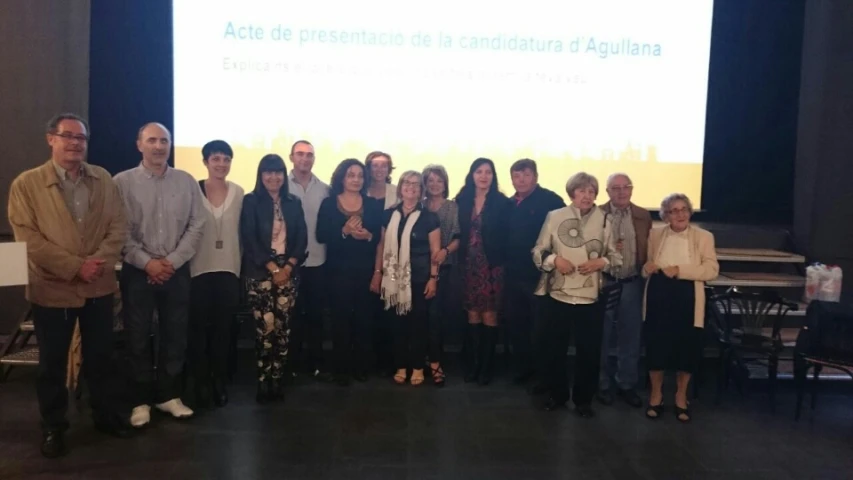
412,184
678,211
621,188
70,136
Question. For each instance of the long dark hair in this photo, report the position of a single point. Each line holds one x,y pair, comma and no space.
336,185
466,193
271,163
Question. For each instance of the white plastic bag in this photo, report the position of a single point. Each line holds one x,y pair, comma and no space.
823,283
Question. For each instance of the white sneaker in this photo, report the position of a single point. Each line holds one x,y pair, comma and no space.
140,416
176,408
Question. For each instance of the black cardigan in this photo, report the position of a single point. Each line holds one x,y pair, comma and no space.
494,227
349,255
256,221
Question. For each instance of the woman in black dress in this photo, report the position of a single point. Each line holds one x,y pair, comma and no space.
349,223
482,210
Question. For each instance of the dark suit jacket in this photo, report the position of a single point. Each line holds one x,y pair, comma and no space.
642,220
256,232
495,224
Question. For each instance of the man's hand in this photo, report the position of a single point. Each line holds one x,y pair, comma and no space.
159,271
91,270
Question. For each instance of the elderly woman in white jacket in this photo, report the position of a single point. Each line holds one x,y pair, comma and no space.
573,248
682,258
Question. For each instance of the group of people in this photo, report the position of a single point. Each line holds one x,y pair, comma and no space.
379,254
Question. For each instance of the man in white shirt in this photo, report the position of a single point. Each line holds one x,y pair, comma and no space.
307,327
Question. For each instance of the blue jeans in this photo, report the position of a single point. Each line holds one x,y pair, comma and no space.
627,327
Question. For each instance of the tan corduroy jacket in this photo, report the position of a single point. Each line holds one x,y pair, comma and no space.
703,264
56,248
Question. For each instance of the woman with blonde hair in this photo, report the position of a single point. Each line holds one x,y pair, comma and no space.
405,276
574,246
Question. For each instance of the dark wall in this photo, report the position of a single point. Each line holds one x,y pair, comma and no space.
823,195
752,98
131,76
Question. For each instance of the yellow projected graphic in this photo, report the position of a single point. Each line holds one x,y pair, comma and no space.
652,180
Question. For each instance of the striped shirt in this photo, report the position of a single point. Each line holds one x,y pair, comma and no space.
165,215
75,193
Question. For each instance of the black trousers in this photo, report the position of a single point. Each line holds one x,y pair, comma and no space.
411,331
383,333
586,321
440,308
214,299
352,323
523,310
306,330
54,328
171,301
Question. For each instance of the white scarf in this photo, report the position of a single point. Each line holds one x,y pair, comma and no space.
397,279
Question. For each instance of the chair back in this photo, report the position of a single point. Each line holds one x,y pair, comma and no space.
828,333
743,318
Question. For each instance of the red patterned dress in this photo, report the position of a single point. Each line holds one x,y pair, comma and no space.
483,284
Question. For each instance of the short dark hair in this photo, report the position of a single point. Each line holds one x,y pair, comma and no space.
216,146
336,185
524,164
53,123
271,163
368,177
299,142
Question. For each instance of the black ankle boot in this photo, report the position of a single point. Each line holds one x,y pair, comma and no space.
487,354
277,390
472,352
220,393
263,395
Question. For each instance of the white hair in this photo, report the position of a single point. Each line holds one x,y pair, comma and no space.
667,202
614,176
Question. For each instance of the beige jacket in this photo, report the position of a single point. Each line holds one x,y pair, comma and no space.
703,264
56,248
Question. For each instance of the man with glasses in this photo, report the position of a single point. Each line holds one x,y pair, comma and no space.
631,225
308,325
70,215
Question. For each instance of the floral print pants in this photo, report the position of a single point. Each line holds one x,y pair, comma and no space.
271,307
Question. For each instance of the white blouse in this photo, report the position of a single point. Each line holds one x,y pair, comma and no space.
219,248
675,250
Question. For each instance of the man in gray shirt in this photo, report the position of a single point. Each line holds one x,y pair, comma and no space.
308,322
165,217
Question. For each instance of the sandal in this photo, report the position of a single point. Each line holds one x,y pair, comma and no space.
654,412
400,376
682,411
417,377
438,376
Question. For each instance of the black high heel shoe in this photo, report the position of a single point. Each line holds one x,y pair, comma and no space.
656,409
682,411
